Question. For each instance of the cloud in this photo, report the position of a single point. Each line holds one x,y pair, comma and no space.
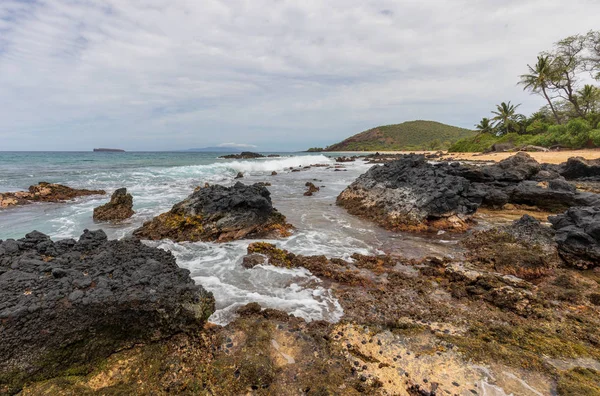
237,145
152,75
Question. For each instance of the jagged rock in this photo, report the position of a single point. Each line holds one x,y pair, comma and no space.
119,208
44,192
578,168
345,159
243,155
218,213
68,304
411,194
578,236
311,189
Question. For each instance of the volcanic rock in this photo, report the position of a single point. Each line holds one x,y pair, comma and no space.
411,194
311,189
243,155
44,192
578,168
119,208
68,304
578,236
218,213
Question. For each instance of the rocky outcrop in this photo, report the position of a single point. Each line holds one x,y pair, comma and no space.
64,305
578,236
44,192
411,194
346,159
311,189
243,155
119,208
578,168
218,213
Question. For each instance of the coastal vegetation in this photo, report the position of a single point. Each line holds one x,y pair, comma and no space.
410,135
565,78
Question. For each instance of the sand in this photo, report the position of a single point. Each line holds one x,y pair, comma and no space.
551,157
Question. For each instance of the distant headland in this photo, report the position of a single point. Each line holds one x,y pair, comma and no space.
108,150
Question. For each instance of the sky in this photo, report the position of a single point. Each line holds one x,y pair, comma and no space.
265,74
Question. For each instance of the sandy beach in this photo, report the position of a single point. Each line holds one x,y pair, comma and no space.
551,157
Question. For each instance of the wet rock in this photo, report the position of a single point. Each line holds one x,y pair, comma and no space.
119,208
273,173
252,260
578,168
243,155
218,213
578,236
240,175
44,192
69,304
311,189
411,194
345,159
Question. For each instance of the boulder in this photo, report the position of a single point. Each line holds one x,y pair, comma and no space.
412,194
219,213
240,175
311,189
45,192
66,305
578,236
578,168
119,208
501,147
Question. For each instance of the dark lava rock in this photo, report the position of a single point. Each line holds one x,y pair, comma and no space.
45,192
311,189
243,155
578,168
578,236
346,159
412,194
240,175
66,305
119,208
218,213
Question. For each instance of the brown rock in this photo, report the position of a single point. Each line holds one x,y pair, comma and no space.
44,192
119,208
311,189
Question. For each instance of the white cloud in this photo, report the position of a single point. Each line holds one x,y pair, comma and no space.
160,74
237,145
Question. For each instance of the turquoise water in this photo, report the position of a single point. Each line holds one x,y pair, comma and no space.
159,180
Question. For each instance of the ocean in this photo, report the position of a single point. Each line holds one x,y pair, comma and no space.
157,180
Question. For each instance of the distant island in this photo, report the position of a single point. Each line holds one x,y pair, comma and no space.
108,150
216,150
410,135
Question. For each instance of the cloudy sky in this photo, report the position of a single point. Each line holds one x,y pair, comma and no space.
276,74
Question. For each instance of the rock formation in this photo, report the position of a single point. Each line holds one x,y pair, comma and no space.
218,213
243,155
119,208
64,305
578,236
44,192
311,188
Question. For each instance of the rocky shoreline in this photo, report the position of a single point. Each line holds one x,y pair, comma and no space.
515,312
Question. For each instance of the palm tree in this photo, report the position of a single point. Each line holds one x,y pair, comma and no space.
506,118
538,80
590,98
485,126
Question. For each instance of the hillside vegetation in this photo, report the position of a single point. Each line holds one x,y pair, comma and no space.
411,135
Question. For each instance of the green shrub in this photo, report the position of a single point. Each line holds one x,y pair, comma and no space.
577,134
537,127
595,137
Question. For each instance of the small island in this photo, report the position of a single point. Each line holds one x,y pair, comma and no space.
108,150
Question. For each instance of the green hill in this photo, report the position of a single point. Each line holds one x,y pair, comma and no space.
410,135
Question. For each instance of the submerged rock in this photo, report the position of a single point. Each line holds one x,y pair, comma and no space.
218,213
119,208
311,189
64,305
44,192
412,194
578,236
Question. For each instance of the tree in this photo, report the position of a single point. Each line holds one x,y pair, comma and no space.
592,60
567,60
589,96
539,80
506,118
485,126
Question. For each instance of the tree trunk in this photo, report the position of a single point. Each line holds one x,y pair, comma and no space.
550,104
